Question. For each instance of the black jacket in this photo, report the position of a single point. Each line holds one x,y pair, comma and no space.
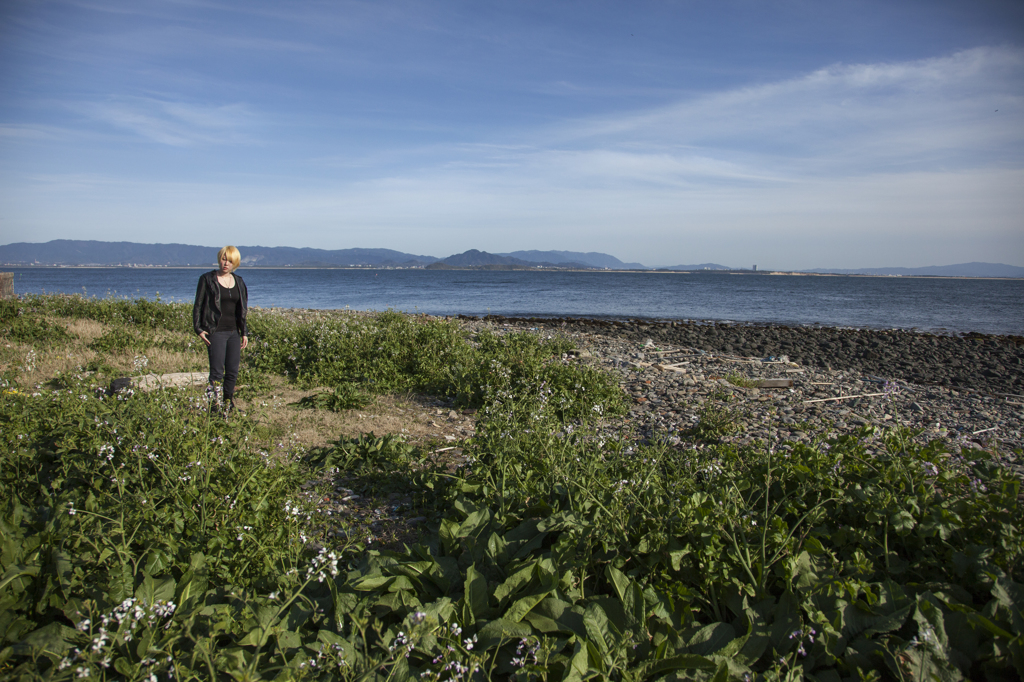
206,309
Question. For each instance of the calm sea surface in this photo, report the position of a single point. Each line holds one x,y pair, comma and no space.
952,305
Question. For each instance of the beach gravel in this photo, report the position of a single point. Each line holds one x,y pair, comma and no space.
965,390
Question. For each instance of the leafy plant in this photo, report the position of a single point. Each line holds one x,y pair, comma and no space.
16,325
715,420
742,381
338,399
141,537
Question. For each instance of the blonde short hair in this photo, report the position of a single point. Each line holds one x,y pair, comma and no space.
232,254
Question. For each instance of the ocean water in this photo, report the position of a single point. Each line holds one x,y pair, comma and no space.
927,304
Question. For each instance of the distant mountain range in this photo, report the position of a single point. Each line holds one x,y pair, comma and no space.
591,259
72,252
701,266
78,252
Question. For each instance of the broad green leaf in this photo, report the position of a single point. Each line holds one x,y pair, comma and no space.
579,665
474,523
153,589
444,573
721,674
288,640
619,581
859,619
497,549
157,561
978,619
343,602
373,582
902,522
601,632
1011,595
680,662
595,657
234,661
515,582
442,610
256,637
475,590
333,640
15,572
193,583
676,557
448,532
523,606
786,622
889,623
711,638
121,584
805,571
51,640
62,563
501,630
813,546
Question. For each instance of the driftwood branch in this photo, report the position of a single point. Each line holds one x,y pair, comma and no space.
843,397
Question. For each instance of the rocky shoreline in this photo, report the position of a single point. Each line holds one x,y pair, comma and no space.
994,364
674,374
966,390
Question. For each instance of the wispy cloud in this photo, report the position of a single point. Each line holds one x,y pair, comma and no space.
841,119
15,132
173,122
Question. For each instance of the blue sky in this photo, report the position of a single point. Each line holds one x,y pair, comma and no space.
791,134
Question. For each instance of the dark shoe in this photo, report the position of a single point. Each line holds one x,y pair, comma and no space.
229,407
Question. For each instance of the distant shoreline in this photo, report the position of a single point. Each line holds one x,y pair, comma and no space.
759,273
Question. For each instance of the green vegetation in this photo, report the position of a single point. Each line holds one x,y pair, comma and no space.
342,397
742,381
144,538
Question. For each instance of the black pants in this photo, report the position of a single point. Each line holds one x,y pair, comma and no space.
225,352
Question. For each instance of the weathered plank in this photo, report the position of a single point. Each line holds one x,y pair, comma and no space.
775,383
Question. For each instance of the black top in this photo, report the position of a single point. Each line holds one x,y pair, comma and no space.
229,300
206,310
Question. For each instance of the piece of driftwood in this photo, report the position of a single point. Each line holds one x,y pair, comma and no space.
150,382
775,383
843,397
993,428
670,368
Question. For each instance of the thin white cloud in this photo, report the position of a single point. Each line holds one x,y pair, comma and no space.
28,132
174,123
842,118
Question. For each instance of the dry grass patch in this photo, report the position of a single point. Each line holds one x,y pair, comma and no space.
87,330
421,419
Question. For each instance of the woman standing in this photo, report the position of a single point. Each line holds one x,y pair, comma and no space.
218,317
